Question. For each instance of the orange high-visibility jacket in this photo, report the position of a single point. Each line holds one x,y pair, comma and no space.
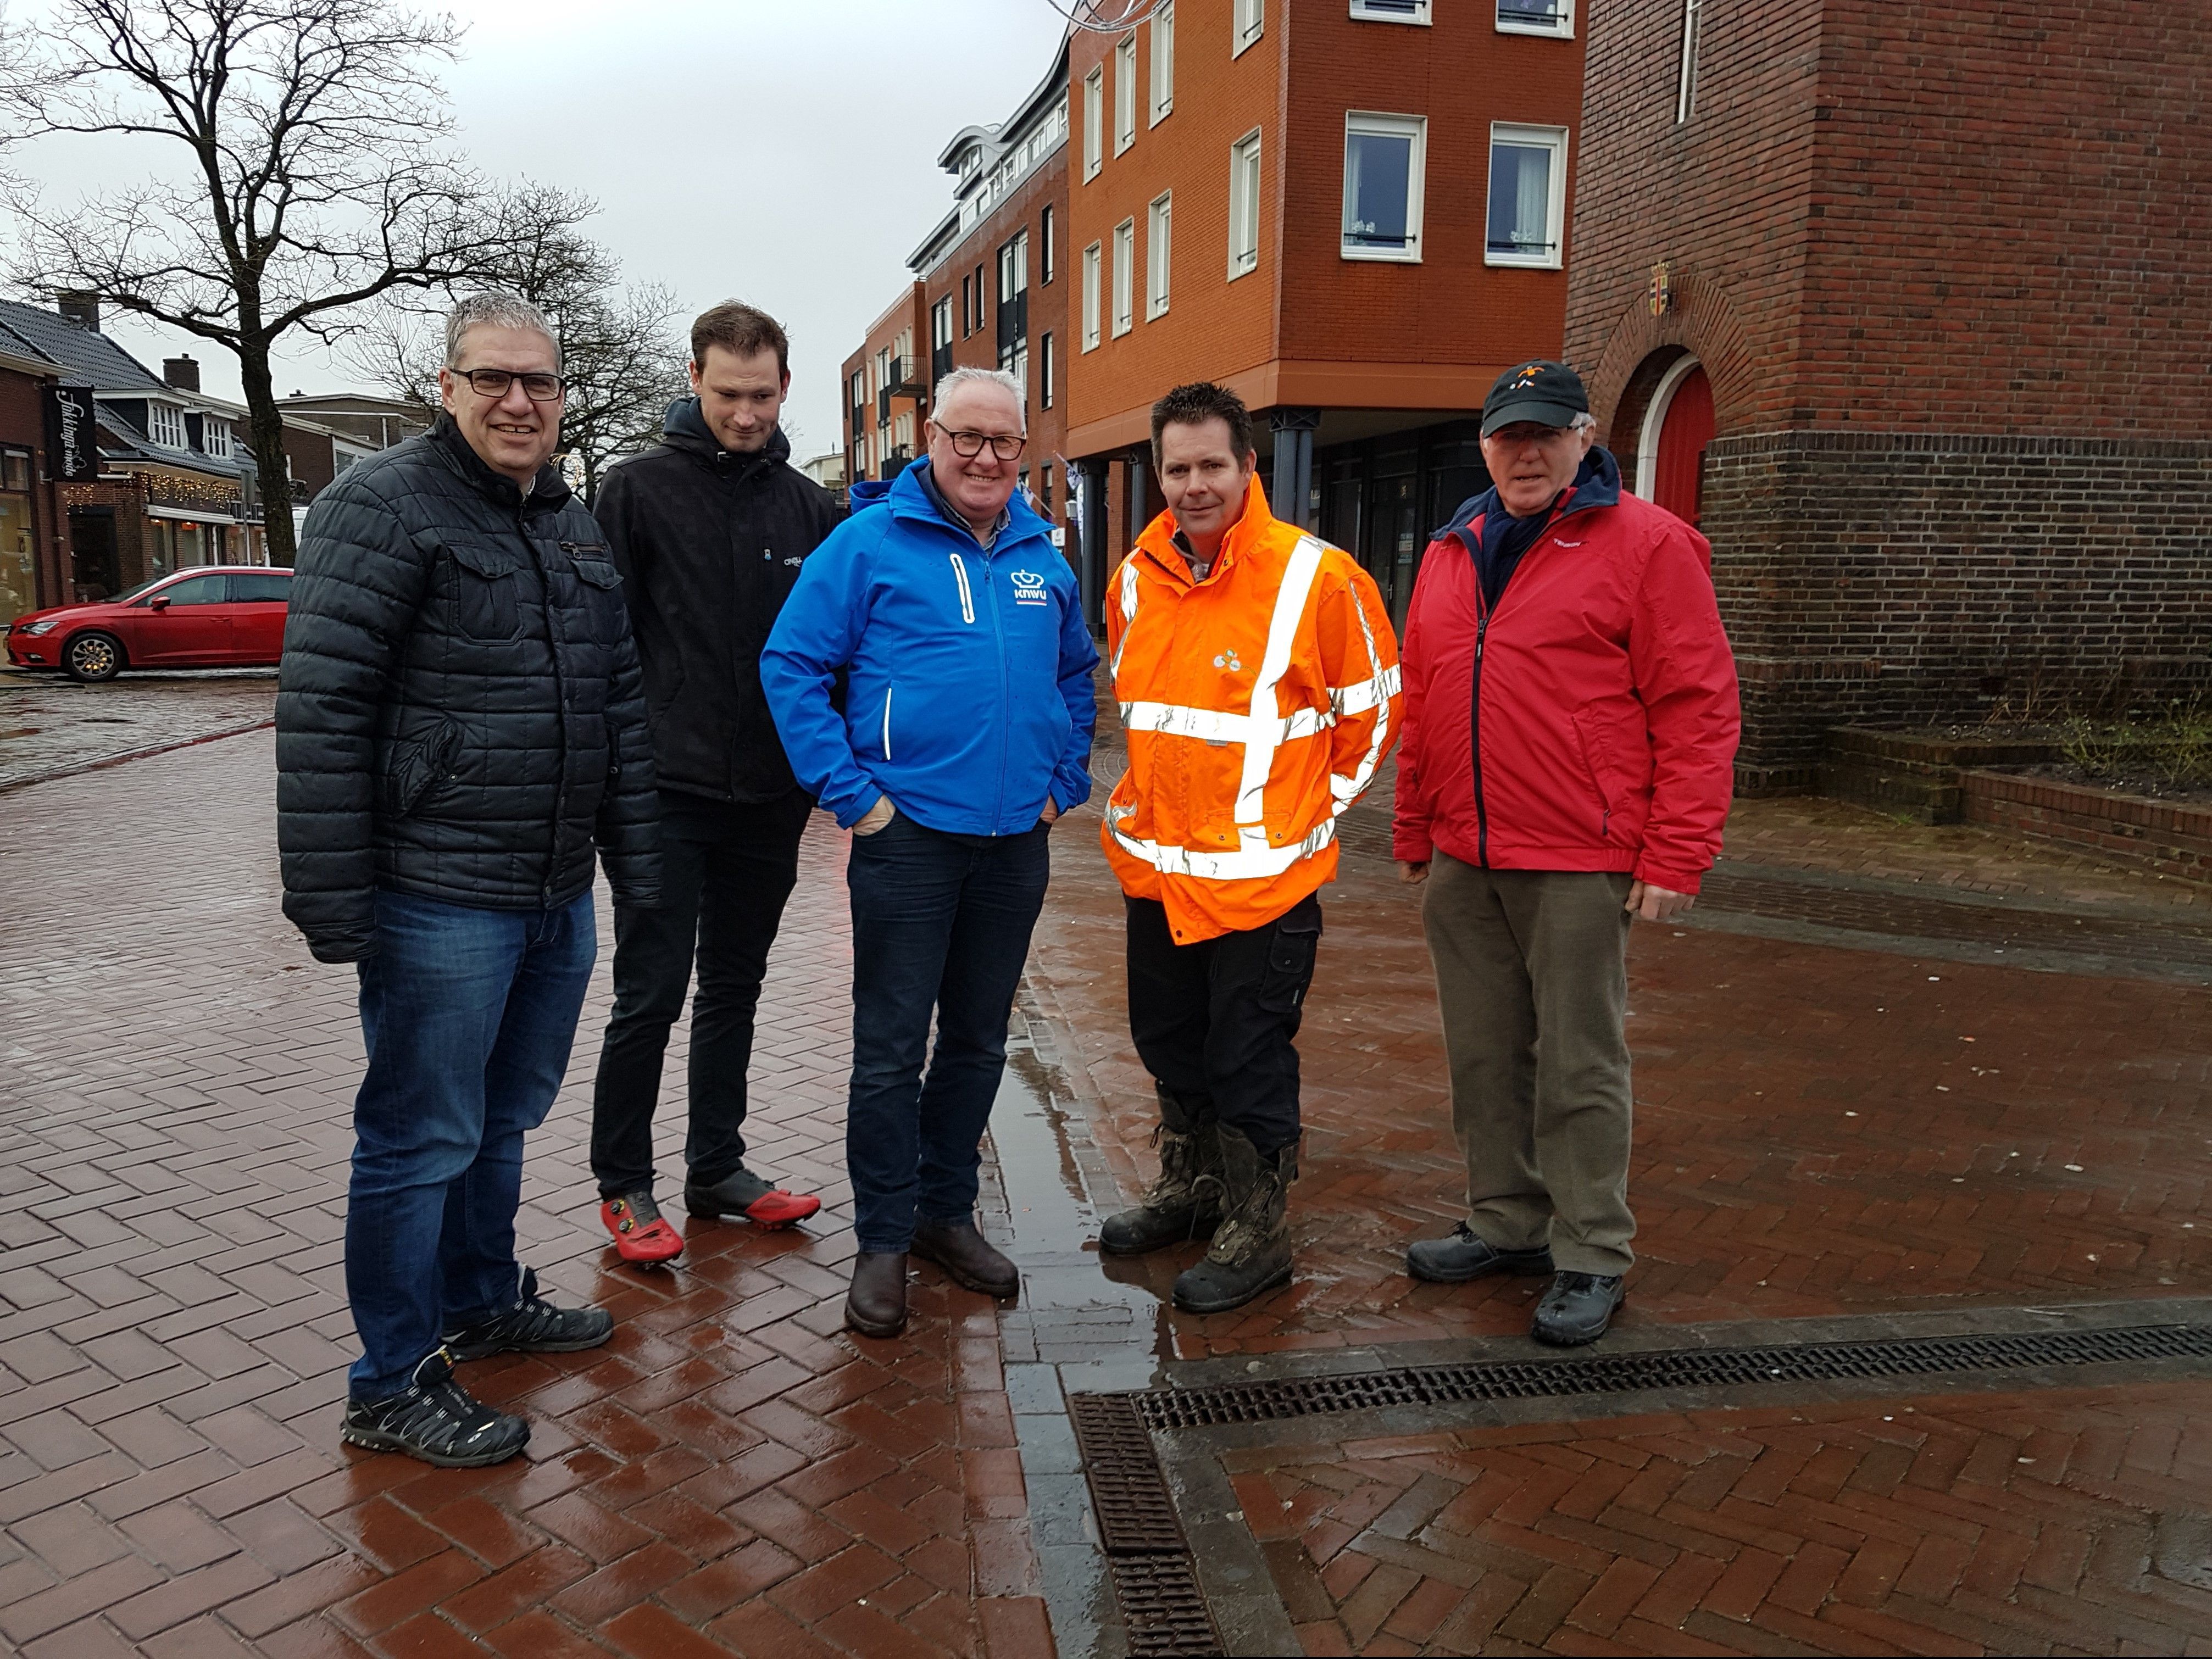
1258,704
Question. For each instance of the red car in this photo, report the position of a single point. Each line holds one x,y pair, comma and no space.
227,617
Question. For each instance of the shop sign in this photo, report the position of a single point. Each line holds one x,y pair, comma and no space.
72,450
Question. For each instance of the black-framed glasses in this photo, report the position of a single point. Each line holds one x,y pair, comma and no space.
968,445
494,382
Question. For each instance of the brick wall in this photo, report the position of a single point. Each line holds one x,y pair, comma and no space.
313,463
22,425
2173,838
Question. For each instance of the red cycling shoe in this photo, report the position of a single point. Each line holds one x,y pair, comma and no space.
743,1196
640,1233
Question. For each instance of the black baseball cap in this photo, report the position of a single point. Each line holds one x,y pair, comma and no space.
1539,390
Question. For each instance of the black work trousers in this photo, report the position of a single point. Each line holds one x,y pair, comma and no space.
1213,1022
726,869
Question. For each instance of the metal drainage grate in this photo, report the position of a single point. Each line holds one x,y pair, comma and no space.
1155,1580
1163,1609
1218,1404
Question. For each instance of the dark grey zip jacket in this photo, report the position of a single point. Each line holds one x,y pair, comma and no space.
460,714
708,545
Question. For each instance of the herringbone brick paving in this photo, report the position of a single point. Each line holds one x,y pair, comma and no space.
731,1474
2065,1522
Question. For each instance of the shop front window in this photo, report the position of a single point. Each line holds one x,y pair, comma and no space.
19,568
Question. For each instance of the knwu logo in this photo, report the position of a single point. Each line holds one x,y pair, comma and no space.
1029,588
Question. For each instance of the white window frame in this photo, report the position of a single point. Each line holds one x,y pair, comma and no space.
1245,173
1094,122
164,424
1247,22
1159,254
1163,89
1561,28
1125,93
1124,261
1555,208
1384,125
1093,260
1392,11
1685,92
214,436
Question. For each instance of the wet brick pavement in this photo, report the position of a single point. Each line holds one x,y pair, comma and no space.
1829,1122
50,725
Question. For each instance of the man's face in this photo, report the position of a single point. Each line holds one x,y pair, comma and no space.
740,397
511,433
1531,463
1204,478
976,485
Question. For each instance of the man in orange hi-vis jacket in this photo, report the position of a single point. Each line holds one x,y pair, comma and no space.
1258,681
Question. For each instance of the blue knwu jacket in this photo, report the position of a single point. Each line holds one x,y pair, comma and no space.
969,696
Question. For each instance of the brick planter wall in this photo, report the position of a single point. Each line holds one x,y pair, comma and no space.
2172,837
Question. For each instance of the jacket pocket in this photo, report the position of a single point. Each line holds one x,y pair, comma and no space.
886,734
485,591
1591,746
414,767
1291,955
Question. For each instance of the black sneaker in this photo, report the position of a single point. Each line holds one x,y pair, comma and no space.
1459,1255
437,1420
532,1325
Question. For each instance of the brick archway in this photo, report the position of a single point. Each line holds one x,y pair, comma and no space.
1641,349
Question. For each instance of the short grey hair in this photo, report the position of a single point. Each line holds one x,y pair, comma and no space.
1585,422
495,311
997,377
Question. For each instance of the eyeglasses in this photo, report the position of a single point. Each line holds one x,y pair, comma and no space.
1526,432
494,382
968,445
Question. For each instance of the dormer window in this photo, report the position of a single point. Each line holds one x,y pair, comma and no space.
165,425
216,434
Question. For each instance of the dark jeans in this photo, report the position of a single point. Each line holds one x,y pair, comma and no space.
938,921
726,869
1214,1020
469,1016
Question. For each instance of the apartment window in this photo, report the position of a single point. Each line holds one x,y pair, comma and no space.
1124,259
164,424
1553,17
1244,205
1158,235
1125,93
1163,62
1527,195
967,307
1044,376
1014,268
1384,161
1685,98
1091,261
1044,248
940,340
216,434
1094,122
1396,11
1248,19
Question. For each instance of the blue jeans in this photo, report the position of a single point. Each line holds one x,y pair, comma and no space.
939,921
469,1015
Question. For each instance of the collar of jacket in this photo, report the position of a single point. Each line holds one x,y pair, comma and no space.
1597,483
685,426
547,490
1250,531
913,496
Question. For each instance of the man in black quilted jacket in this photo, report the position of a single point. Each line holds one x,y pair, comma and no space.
460,723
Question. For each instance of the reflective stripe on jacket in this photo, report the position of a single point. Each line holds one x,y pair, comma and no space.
1258,705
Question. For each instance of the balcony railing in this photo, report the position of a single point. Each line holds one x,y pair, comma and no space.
903,382
940,362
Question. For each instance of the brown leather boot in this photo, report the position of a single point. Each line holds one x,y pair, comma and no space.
876,1306
967,1256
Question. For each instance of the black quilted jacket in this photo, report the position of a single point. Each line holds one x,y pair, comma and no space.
460,714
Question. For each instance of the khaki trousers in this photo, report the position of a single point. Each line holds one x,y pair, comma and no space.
1532,975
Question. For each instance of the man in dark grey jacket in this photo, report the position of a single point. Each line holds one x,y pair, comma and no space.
709,528
460,722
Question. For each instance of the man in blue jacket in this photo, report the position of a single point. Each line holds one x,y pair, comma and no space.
965,731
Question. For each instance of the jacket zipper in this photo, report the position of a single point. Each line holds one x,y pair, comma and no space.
999,637
887,721
1474,725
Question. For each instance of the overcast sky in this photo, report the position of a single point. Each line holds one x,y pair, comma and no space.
784,154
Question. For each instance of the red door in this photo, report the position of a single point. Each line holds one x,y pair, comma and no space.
256,616
1684,431
184,624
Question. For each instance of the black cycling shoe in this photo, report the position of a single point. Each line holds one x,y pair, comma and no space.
437,1420
532,1325
1459,1255
1577,1309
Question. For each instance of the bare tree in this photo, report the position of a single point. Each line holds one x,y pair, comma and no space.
622,360
309,176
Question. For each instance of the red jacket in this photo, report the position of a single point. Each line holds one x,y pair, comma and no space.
1601,694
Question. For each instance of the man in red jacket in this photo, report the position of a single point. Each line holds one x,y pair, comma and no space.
1566,765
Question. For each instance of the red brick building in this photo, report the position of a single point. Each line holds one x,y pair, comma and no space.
1909,307
32,546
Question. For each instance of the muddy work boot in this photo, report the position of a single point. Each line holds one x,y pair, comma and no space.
1251,1249
1185,1202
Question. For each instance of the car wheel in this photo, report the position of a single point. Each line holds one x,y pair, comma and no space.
93,656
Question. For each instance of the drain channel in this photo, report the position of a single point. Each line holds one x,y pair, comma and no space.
1155,1580
1219,1404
